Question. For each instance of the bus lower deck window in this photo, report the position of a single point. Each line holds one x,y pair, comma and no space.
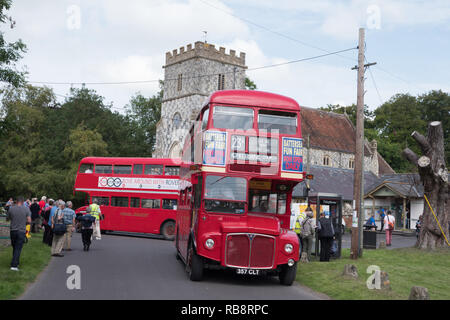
119,201
170,204
150,203
102,201
138,168
135,202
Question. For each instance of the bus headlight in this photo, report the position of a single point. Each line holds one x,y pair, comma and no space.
209,243
288,248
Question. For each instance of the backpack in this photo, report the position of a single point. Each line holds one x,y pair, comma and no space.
390,223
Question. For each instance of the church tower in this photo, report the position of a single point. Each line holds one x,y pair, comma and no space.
191,74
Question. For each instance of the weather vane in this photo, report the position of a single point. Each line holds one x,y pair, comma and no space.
205,32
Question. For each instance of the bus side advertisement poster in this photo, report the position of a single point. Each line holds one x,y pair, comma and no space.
292,155
215,148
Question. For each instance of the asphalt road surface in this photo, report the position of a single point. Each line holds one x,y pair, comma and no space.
123,267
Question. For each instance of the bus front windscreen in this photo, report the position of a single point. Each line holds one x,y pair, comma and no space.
225,194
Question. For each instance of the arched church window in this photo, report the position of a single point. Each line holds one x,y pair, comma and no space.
176,120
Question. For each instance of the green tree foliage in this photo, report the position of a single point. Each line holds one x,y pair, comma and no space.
42,141
249,84
392,123
10,52
144,113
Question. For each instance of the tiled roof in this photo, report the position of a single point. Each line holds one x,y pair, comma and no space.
334,180
328,130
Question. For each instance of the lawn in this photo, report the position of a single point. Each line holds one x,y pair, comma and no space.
35,256
406,268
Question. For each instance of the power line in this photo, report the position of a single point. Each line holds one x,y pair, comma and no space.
272,31
193,76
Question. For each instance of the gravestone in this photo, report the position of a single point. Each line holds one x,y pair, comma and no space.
351,271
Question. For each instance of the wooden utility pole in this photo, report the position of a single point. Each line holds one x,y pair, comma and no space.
358,182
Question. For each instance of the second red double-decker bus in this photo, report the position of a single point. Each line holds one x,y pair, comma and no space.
241,161
137,195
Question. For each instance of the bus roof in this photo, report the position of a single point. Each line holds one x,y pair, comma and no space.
129,160
254,98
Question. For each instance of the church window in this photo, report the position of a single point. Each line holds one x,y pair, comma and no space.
326,160
221,82
180,82
351,163
176,120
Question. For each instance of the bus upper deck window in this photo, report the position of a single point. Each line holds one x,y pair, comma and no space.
138,168
232,118
284,122
86,168
120,169
103,168
205,119
153,169
172,171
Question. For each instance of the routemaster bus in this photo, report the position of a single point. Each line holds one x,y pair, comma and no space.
136,195
240,163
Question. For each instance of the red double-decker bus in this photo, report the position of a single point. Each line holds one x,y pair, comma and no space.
241,161
138,195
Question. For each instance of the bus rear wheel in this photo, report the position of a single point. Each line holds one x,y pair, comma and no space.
168,230
287,274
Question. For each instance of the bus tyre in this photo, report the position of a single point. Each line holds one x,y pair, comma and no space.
287,274
168,230
195,265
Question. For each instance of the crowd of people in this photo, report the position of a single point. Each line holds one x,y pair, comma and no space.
56,218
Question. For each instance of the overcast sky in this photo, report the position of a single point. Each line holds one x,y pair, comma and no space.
112,40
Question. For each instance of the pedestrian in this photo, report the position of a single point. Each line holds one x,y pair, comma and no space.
298,228
382,216
35,217
20,216
87,222
326,234
69,221
308,231
53,209
59,229
27,203
97,214
45,214
419,226
370,223
9,204
389,221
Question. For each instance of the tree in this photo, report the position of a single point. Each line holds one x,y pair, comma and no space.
144,113
434,176
249,84
10,52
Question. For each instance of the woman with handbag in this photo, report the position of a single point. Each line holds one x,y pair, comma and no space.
389,222
59,229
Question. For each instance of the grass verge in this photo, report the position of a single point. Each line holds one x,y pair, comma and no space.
35,256
406,267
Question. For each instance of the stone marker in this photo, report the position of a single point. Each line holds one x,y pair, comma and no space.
385,284
351,271
419,293
382,245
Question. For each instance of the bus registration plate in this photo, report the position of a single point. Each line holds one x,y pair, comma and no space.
252,272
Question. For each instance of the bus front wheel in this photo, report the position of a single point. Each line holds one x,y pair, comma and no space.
194,265
168,230
287,274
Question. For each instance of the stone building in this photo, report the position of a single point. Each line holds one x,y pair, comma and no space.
191,74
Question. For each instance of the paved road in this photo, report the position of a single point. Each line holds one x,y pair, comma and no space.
121,267
398,241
